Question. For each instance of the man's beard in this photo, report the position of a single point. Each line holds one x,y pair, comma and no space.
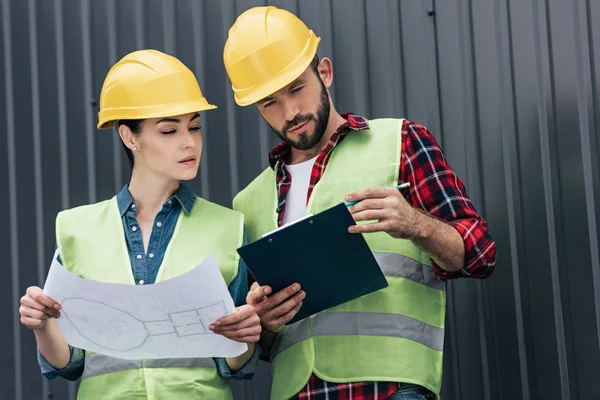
306,140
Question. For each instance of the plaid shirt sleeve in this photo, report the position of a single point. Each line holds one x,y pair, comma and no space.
436,189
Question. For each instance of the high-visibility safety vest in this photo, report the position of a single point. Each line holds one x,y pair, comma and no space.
393,335
94,247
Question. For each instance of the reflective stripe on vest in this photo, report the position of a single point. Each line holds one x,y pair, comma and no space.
393,264
100,364
362,323
383,324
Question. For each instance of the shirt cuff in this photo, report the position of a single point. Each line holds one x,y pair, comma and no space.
247,370
72,371
269,343
479,251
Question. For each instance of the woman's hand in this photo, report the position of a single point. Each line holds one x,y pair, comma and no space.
36,308
242,326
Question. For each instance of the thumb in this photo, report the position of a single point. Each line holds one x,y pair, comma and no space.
255,296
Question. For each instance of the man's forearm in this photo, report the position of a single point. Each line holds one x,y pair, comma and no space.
52,345
441,241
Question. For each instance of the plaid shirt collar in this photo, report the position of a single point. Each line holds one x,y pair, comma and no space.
281,151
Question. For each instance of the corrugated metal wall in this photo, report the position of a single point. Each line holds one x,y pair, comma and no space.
509,87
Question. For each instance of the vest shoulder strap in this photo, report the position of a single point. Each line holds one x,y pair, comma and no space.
72,222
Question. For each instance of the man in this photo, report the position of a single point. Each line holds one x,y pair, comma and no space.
388,344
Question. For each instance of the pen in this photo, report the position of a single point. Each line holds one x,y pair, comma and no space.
401,186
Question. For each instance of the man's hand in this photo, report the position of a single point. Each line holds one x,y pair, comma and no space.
274,311
242,326
36,308
395,216
390,211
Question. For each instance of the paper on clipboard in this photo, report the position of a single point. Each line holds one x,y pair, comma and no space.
287,225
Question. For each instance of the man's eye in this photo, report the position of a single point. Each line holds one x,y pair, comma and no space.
269,104
296,90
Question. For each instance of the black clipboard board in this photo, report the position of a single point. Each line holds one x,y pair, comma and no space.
332,265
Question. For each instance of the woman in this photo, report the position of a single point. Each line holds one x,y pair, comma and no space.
154,229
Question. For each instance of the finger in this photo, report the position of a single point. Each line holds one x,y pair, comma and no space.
257,294
370,193
369,228
281,296
32,323
275,324
370,215
32,313
368,204
239,315
284,308
265,288
29,302
252,320
250,331
38,295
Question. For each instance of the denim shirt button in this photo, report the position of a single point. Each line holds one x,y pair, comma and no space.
159,224
139,256
151,255
141,281
134,228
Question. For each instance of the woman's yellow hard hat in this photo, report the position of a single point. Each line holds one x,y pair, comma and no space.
149,84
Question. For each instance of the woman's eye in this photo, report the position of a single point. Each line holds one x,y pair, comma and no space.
195,128
172,131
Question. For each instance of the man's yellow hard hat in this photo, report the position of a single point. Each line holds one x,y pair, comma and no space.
267,49
149,84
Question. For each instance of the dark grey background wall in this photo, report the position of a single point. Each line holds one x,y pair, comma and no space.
509,87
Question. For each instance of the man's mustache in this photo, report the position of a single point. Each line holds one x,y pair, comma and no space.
300,119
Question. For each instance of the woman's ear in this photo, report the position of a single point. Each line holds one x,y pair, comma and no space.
127,137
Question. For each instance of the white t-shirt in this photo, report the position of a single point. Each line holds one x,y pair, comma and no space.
295,202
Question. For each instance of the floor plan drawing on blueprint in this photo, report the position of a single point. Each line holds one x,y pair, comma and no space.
169,319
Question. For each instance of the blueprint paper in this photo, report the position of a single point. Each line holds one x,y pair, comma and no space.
168,319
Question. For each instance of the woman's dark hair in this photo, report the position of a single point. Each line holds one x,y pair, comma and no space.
135,125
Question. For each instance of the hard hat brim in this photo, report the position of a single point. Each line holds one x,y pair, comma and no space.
107,117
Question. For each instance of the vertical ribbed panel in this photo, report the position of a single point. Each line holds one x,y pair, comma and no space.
508,87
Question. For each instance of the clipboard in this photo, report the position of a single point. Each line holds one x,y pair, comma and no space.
332,265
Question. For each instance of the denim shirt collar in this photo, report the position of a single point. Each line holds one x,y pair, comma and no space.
184,195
